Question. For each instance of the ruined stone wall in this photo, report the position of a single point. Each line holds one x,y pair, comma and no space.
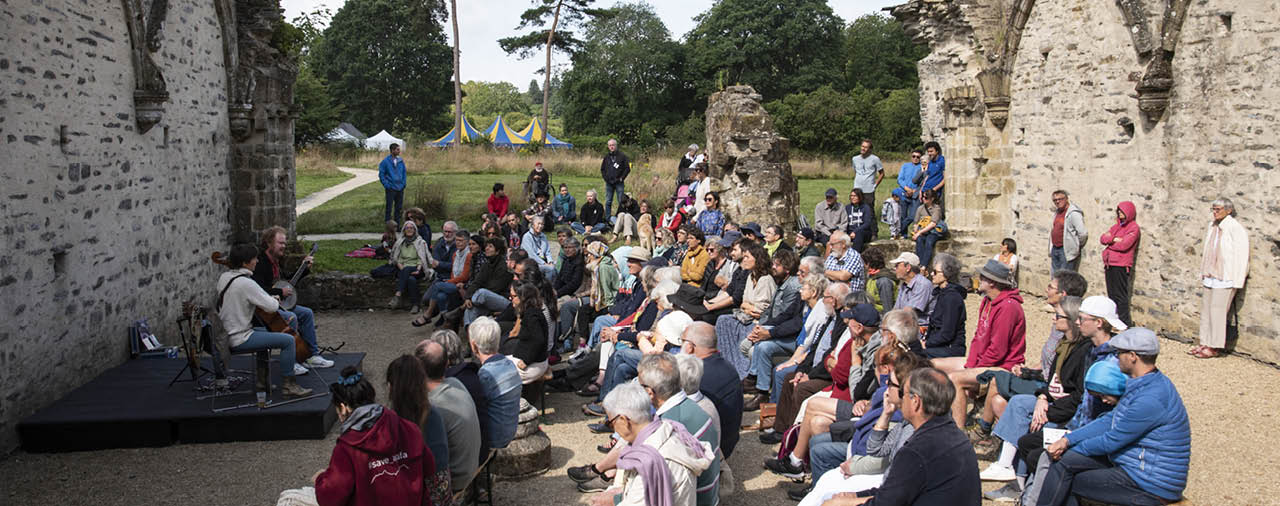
102,224
1075,121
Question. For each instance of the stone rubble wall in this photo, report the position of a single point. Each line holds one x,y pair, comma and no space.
1074,123
112,225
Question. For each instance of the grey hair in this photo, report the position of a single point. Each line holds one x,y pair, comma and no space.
630,400
693,147
658,371
452,345
690,372
949,265
841,290
1226,204
838,236
816,282
700,334
448,223
572,242
538,217
591,192
902,322
671,274
854,298
661,293
814,263
648,277
934,389
484,335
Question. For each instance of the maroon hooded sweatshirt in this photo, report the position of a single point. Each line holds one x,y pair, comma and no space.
1001,337
378,462
1121,253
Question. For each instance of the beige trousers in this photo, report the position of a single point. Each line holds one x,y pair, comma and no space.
1213,316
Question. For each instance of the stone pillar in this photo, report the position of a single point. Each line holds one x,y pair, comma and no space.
529,453
748,160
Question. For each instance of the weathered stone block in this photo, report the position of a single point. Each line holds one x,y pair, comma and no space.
748,160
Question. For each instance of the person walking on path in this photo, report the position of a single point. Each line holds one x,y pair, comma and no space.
867,170
1067,234
1222,271
1121,244
391,173
614,169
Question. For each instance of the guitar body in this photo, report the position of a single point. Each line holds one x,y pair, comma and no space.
276,323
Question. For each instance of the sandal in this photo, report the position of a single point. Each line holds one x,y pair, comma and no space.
420,321
589,390
1196,349
1207,352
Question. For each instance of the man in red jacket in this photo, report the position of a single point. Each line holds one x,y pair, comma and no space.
1000,340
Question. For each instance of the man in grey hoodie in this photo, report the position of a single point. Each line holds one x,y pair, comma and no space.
1067,235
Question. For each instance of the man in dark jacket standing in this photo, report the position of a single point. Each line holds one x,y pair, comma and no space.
614,169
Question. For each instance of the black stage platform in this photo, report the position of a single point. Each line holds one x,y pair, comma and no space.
130,406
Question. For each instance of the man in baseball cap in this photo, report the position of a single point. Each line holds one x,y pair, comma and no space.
1103,308
914,290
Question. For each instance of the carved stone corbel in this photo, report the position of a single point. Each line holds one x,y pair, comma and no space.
149,91
1155,87
995,95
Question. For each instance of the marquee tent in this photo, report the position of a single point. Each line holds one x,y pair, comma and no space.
468,132
533,133
503,135
346,132
382,141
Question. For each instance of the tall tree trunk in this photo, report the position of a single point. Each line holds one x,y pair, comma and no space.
457,80
546,87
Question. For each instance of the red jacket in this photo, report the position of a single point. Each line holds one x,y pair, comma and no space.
382,466
498,206
840,374
1121,253
1001,337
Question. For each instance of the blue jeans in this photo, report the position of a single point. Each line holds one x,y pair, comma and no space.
601,322
445,294
260,339
825,455
1058,261
622,367
303,321
761,363
582,229
1093,478
407,282
906,212
1015,422
548,271
924,246
775,394
393,198
609,189
484,302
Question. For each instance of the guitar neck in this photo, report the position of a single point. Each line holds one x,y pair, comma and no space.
302,269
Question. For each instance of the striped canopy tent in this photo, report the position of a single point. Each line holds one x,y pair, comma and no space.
468,132
488,132
503,135
533,133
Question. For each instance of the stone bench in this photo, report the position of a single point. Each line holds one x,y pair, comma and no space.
333,290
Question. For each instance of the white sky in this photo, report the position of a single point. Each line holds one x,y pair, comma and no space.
482,22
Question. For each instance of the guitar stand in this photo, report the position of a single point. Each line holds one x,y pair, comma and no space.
195,375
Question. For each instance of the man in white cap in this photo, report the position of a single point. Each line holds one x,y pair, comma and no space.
915,290
1137,453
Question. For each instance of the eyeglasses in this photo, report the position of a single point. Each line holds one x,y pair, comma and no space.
1216,208
708,199
914,157
891,384
609,423
1059,199
1059,317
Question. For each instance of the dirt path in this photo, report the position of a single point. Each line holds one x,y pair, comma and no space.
362,177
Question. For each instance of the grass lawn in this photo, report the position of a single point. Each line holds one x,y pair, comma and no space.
308,183
331,257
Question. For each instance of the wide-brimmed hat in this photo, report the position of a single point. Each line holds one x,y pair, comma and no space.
998,272
752,227
1105,308
638,254
729,238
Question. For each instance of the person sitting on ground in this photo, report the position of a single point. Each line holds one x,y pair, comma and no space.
914,290
591,216
626,222
936,465
535,243
1139,452
773,240
695,258
488,279
512,230
711,220
236,304
945,336
882,283
861,220
465,371
564,208
407,387
373,442
541,207
501,381
538,181
844,263
828,216
733,329
671,218
461,421
498,202
806,244
662,460
999,341
528,342
442,296
778,328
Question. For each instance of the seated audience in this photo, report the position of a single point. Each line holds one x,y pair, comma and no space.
773,240
407,384
460,419
779,326
535,243
929,227
914,290
695,258
539,207
882,283
813,374
691,383
538,181
465,371
1008,255
945,335
408,263
807,244
498,202
564,207
711,220
442,296
671,218
861,220
815,317
591,217
828,216
732,329
529,341
442,249
719,383
490,281
500,379
843,263
626,222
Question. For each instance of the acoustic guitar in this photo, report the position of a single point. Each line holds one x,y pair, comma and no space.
272,319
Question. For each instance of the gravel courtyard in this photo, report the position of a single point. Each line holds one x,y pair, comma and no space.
1232,402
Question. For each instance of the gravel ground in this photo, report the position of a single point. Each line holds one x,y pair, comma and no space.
1227,398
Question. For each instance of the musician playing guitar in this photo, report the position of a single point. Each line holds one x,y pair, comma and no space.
301,318
238,299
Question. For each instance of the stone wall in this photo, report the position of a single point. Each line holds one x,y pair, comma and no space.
1167,105
118,140
748,161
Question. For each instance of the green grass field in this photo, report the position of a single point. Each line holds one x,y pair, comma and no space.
332,257
308,183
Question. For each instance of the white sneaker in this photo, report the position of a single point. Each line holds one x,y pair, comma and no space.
997,472
298,370
318,362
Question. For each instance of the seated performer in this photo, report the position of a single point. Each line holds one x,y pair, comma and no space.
236,303
301,318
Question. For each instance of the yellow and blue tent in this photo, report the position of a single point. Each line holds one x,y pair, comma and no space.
468,132
503,135
533,133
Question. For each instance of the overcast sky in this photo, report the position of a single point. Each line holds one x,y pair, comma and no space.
482,22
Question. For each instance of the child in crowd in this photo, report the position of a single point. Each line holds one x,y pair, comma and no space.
389,237
889,213
498,201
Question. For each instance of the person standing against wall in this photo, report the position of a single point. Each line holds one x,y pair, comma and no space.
391,173
867,171
1223,268
1067,234
614,169
1121,244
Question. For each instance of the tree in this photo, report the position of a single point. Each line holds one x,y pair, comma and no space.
898,120
318,113
387,63
572,13
826,120
457,77
776,46
880,54
534,94
491,99
628,75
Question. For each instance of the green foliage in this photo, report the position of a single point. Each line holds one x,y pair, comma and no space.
319,113
491,99
897,120
880,54
571,14
693,130
628,79
825,120
534,93
387,63
776,46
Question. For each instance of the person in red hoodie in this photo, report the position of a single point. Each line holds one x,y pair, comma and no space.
498,202
1121,244
380,459
1000,340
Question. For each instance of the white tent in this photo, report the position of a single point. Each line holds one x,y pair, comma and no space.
346,132
383,141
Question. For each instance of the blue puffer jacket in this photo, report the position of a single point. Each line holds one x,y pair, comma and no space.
1148,435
